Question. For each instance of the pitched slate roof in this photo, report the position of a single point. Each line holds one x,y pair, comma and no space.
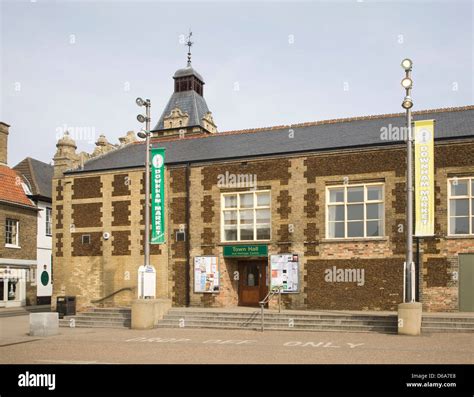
11,190
189,102
451,123
39,176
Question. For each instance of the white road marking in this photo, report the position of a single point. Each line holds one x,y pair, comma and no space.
67,362
319,344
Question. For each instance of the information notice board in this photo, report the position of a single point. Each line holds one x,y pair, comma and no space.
206,274
284,270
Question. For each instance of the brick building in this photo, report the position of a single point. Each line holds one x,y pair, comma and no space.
37,177
18,229
331,194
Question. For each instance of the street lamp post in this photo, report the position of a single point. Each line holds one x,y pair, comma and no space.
146,134
407,104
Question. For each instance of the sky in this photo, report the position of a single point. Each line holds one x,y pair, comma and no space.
79,65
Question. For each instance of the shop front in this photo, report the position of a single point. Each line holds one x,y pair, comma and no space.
12,287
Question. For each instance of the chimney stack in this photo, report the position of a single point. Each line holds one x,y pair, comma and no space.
4,143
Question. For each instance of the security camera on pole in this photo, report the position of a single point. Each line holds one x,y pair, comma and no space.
409,312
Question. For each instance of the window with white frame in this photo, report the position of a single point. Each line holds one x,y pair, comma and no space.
461,206
245,216
354,211
12,232
49,222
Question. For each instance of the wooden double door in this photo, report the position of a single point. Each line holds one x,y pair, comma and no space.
253,283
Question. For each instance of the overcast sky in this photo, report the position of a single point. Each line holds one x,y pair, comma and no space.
80,65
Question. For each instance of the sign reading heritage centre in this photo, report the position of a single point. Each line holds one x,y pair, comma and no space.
424,177
157,196
245,250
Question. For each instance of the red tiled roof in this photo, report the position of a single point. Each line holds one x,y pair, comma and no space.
11,189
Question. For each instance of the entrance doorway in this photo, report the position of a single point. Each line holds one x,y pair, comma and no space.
466,282
253,284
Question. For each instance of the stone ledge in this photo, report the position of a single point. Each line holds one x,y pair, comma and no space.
355,240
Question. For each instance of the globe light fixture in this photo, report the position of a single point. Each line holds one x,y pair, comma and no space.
407,64
139,101
407,83
141,118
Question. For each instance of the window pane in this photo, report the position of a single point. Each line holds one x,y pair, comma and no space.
263,216
336,195
230,218
355,212
336,213
263,233
246,200
374,211
231,234
472,187
336,229
459,207
263,199
374,228
230,201
355,229
459,189
459,225
246,234
246,217
374,193
355,194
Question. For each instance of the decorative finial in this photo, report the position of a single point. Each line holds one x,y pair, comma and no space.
189,43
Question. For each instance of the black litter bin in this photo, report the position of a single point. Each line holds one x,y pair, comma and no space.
66,306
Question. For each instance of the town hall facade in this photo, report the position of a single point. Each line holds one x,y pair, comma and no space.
328,195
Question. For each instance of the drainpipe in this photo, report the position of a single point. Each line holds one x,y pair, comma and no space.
188,236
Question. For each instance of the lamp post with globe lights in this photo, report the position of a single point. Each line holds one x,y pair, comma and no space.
407,104
146,135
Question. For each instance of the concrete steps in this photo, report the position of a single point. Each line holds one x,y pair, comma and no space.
179,318
99,318
24,310
437,323
285,321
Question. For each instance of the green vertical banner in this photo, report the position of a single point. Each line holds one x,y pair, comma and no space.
157,196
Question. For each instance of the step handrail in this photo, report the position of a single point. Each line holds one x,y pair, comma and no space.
112,294
268,298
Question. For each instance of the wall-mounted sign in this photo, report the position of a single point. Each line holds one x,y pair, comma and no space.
206,274
245,250
284,272
424,177
157,196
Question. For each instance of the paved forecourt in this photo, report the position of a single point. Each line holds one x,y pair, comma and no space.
100,345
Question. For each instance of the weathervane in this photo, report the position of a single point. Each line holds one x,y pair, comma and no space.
189,43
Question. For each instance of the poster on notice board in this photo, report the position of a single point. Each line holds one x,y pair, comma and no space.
284,270
206,274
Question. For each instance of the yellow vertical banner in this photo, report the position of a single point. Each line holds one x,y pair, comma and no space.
424,178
